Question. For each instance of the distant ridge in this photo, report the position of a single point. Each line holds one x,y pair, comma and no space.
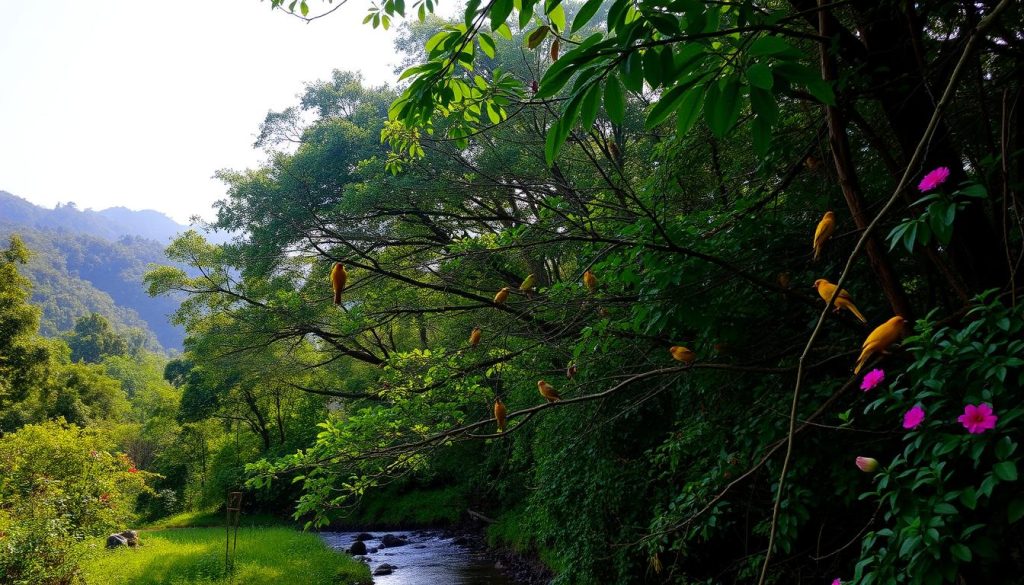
110,224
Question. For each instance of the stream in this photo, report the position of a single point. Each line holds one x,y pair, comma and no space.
430,557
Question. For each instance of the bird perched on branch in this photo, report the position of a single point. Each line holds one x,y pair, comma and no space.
683,354
570,370
474,337
590,281
499,414
338,279
501,297
844,301
548,391
824,231
527,285
880,339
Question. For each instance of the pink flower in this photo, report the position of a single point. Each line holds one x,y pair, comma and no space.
933,179
872,379
978,419
836,581
913,417
867,464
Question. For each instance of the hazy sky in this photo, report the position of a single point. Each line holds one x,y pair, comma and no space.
137,103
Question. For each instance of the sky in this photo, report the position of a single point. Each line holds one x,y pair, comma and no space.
138,103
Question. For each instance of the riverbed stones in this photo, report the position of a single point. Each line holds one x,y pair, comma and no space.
357,548
364,536
384,569
391,541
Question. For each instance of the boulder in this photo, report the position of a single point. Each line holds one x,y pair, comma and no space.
391,541
373,550
364,536
384,569
128,538
357,548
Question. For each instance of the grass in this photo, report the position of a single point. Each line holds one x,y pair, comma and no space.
196,555
212,518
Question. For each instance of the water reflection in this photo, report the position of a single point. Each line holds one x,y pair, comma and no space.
430,558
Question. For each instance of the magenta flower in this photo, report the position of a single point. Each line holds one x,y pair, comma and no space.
913,417
933,179
867,464
836,581
978,419
872,379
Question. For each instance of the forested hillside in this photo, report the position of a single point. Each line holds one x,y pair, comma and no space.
84,262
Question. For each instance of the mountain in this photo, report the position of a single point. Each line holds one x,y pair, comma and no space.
110,224
87,261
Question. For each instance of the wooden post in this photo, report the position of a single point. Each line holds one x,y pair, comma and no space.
234,505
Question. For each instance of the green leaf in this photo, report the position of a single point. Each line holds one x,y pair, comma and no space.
614,100
944,508
1015,511
499,12
486,44
969,498
722,107
763,103
1006,470
666,105
632,72
767,45
759,75
590,105
587,11
961,552
557,17
822,91
652,67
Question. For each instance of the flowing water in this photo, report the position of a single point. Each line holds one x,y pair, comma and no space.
429,558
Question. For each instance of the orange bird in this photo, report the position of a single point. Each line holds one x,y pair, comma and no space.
881,338
844,301
474,337
590,281
826,226
682,354
548,391
501,297
570,370
499,414
338,279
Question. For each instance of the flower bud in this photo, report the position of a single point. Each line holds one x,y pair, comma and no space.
867,464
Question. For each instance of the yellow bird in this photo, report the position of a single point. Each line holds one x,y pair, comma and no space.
499,414
474,337
590,281
548,391
826,226
338,279
501,297
881,338
683,354
844,301
528,283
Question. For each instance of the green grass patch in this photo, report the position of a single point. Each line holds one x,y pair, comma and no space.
213,518
196,555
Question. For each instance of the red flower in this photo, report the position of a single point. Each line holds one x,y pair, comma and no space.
132,469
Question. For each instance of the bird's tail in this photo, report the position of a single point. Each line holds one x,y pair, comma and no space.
337,297
854,310
817,253
860,361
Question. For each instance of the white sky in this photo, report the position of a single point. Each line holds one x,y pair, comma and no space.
137,103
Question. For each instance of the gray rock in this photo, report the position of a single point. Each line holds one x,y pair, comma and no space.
357,548
391,541
384,569
373,550
364,536
129,538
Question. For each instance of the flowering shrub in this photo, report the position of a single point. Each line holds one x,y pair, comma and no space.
58,485
950,502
